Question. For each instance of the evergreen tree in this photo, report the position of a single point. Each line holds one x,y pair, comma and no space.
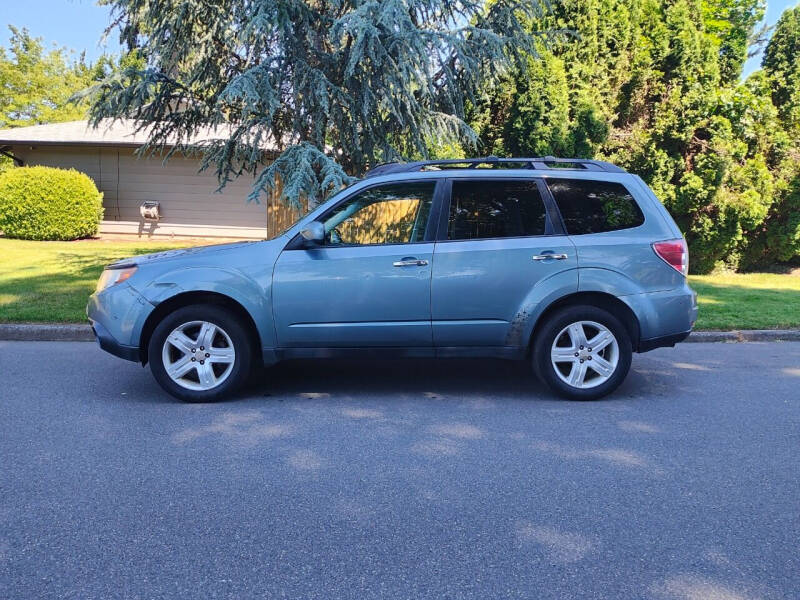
778,239
782,64
732,24
654,86
335,85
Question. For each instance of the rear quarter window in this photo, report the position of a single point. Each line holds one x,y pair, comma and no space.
594,206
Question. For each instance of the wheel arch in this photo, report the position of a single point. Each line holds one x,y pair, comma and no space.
608,302
189,298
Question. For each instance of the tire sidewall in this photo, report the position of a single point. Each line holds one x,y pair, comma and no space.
218,316
544,368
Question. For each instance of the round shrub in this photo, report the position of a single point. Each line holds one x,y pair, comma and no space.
43,203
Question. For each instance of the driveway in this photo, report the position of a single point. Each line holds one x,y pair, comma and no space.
409,479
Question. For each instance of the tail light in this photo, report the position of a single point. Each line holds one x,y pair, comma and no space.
674,253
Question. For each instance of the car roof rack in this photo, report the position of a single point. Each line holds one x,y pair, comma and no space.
543,163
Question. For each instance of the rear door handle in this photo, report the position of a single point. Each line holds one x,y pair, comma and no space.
550,255
410,262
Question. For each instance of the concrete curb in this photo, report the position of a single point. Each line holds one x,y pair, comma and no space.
55,332
45,332
746,335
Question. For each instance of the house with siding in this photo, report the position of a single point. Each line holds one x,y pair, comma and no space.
181,201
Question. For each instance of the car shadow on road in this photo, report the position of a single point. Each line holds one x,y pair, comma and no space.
433,379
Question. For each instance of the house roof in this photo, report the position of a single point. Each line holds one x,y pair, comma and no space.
107,133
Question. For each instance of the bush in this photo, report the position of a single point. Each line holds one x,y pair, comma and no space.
43,203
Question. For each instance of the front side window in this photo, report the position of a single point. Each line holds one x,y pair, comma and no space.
388,214
495,209
594,206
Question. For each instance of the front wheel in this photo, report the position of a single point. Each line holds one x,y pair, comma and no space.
583,352
200,353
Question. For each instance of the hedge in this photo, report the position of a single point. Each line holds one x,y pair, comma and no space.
44,203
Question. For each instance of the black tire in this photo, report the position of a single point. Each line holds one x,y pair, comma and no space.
219,316
542,344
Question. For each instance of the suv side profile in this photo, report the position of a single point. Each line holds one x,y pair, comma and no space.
571,264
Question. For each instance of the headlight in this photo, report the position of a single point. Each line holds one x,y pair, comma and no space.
114,276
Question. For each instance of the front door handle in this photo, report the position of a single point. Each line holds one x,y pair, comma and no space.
410,262
550,255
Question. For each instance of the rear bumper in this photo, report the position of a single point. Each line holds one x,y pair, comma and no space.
111,345
665,317
662,341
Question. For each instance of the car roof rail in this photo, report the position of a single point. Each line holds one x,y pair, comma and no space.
543,163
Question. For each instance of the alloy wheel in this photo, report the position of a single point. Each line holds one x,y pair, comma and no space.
198,355
585,354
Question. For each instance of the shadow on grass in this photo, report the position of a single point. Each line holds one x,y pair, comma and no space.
57,288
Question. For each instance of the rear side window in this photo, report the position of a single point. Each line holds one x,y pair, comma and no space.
495,209
594,206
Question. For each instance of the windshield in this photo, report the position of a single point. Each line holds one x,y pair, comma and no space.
281,218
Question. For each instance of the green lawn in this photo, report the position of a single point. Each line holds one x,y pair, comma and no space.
50,281
747,300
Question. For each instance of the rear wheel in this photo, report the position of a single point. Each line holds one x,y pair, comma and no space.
582,353
200,353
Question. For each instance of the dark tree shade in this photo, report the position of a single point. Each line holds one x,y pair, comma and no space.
335,85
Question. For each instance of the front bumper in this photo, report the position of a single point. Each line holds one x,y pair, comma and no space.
117,315
112,346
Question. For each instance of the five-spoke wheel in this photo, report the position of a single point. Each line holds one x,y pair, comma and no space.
200,353
582,352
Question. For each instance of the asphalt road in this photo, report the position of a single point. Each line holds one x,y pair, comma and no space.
414,479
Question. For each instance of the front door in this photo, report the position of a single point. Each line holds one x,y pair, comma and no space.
498,253
368,284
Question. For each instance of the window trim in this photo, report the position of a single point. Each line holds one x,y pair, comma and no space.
611,231
297,242
551,226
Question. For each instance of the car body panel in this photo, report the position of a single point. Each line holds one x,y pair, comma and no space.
239,271
664,313
353,296
121,310
465,312
250,293
542,296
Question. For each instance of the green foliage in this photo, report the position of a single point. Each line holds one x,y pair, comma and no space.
782,64
731,24
335,86
43,203
653,85
43,86
35,84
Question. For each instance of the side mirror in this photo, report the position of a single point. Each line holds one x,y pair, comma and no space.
314,232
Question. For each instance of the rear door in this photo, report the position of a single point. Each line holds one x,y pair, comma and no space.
498,240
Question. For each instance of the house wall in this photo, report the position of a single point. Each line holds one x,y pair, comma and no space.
188,202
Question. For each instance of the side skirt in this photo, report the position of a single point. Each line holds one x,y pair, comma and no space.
502,352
